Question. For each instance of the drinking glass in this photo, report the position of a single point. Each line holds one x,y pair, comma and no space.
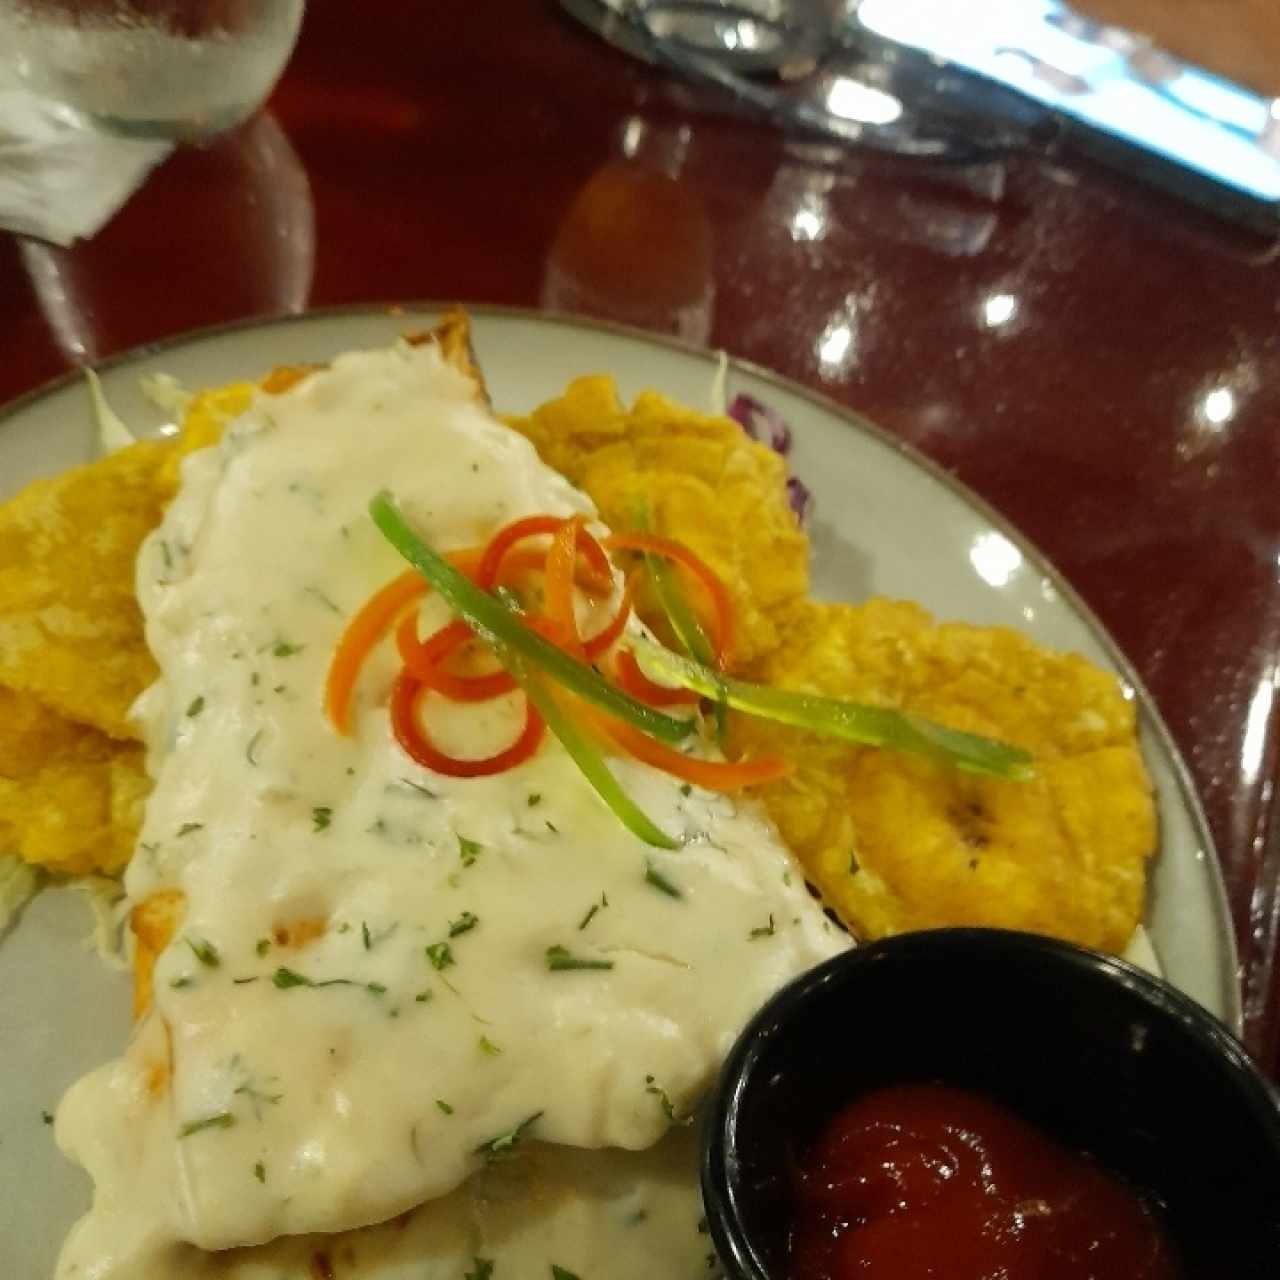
174,69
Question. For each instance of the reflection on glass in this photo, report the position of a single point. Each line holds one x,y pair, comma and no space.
851,99
998,309
1255,729
995,558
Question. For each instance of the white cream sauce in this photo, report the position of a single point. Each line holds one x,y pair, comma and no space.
306,1108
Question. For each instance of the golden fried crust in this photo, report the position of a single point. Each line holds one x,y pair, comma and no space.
896,843
71,798
703,483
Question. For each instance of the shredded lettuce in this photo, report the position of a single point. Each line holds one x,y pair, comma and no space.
168,394
108,907
113,435
19,883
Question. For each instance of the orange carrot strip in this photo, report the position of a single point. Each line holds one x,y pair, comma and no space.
715,775
704,574
372,621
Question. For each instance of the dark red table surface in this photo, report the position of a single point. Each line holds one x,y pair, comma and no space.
1099,362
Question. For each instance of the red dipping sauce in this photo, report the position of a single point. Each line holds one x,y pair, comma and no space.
927,1182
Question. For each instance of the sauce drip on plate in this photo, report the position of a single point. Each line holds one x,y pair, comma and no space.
919,1181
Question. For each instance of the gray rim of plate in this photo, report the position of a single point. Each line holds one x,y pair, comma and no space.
1233,1014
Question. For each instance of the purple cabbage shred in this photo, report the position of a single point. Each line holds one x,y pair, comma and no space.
761,423
767,427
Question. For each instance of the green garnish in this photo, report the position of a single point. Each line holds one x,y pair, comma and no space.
444,1106
260,1171
483,1269
665,1101
499,627
584,754
366,936
262,946
321,817
486,1046
222,1120
591,911
535,799
563,1273
469,850
196,707
284,649
285,979
660,882
561,958
205,952
503,1145
683,621
188,827
441,956
763,931
423,996
833,717
463,924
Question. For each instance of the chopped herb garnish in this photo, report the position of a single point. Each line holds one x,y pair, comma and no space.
222,1120
324,599
321,816
284,649
504,1144
535,799
469,850
262,946
559,958
486,1046
284,979
260,1171
660,882
686,789
441,956
562,1273
47,1117
188,827
257,1097
196,707
251,751
364,933
586,920
205,952
444,1106
483,1269
667,1109
420,789
240,982
762,931
423,996
463,924
178,983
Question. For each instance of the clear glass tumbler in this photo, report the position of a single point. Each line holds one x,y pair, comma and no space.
176,69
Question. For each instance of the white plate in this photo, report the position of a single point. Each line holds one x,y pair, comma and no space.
886,521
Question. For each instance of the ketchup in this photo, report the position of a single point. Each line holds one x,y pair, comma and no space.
916,1182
